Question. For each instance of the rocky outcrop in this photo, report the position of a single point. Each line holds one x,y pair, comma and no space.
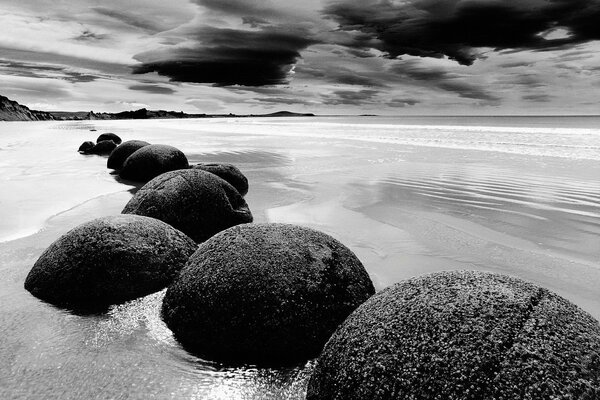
196,202
228,172
462,335
12,111
268,294
107,261
150,161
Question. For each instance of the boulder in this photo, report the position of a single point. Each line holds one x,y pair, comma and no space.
108,261
150,161
266,294
462,335
85,146
196,202
228,172
109,136
102,148
122,151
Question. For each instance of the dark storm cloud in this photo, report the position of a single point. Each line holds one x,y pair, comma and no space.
349,97
412,71
154,89
455,28
230,57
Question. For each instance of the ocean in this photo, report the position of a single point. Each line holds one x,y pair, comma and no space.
409,195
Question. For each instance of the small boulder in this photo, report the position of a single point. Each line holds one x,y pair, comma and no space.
462,335
108,261
122,151
103,148
85,146
150,161
109,136
266,294
196,202
228,172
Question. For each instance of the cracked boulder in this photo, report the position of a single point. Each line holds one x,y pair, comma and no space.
265,294
196,202
462,335
229,172
150,161
108,261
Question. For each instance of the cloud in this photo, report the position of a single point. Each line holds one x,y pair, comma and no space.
458,28
537,97
130,19
154,89
349,97
31,70
399,103
230,57
412,71
339,75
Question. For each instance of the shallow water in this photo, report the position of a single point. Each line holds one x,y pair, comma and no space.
407,195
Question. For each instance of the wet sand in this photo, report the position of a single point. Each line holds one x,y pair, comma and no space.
404,209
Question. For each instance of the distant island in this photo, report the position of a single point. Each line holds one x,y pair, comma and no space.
10,110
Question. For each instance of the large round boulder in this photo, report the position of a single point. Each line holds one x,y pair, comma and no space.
266,294
85,146
150,161
109,260
102,148
196,202
120,153
462,335
229,172
109,136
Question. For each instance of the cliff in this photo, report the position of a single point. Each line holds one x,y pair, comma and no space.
12,111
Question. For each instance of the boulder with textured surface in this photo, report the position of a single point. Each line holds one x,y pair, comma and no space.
267,294
121,152
229,172
85,146
102,148
150,161
108,261
109,136
196,202
462,335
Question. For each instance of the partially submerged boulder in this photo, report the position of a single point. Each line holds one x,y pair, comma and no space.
108,261
229,172
85,146
196,202
109,136
462,335
150,161
268,294
124,150
102,148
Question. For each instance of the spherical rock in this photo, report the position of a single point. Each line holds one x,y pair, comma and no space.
85,146
102,148
228,172
267,294
196,202
109,136
462,335
109,260
124,150
150,161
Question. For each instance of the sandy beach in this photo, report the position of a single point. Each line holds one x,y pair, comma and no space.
408,198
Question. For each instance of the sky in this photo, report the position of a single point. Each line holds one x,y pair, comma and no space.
388,57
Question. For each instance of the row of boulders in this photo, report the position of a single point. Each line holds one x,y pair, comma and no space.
104,145
275,294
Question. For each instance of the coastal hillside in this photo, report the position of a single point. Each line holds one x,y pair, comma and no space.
12,111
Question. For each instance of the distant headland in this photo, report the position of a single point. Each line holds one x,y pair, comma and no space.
10,110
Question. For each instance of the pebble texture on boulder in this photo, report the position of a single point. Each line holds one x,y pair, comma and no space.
228,172
109,136
462,335
124,150
196,202
150,161
85,146
108,261
266,294
102,148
